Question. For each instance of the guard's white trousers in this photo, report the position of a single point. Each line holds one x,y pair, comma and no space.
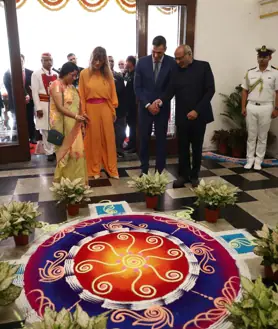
258,122
48,147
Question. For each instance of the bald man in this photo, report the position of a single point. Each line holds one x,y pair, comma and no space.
40,83
192,83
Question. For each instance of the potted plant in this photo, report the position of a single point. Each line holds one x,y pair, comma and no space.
214,195
221,138
66,320
237,142
238,138
258,308
233,108
18,219
267,247
152,185
8,291
72,193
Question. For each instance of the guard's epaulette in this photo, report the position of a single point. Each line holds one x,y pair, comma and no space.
253,68
275,68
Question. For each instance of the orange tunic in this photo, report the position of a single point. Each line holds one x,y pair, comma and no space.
100,146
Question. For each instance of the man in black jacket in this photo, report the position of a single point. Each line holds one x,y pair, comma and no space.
120,123
192,83
26,75
131,104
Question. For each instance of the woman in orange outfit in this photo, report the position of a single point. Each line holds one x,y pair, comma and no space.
99,100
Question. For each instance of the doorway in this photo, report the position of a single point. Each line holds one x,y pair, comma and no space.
177,25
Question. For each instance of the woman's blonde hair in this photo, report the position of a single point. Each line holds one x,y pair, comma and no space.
99,53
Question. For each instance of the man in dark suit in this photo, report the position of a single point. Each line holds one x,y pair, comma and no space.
131,104
120,123
192,83
26,75
152,76
72,58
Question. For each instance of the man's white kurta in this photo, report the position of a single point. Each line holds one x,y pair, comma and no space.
38,89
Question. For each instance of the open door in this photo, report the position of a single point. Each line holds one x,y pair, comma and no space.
14,139
175,20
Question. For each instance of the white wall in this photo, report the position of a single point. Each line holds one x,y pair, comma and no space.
227,33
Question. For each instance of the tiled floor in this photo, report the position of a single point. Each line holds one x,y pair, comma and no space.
257,200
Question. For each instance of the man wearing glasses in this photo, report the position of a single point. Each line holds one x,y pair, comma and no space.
192,83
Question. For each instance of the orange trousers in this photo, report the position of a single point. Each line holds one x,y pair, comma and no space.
99,142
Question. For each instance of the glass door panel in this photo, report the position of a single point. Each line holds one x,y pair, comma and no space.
8,122
170,22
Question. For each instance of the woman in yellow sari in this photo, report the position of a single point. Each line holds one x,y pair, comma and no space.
65,117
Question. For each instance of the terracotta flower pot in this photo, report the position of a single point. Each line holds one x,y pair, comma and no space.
268,272
212,215
236,152
223,148
73,209
21,240
151,201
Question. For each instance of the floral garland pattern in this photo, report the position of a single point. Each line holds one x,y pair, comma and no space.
129,6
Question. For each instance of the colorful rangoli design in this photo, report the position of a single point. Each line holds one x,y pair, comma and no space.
149,271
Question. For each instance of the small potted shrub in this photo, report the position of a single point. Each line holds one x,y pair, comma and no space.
66,320
267,247
238,142
8,291
258,308
221,139
18,219
152,185
214,195
73,193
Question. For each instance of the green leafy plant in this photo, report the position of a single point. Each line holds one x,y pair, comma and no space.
66,320
151,184
215,194
18,218
258,308
71,192
8,291
267,246
237,138
220,136
233,108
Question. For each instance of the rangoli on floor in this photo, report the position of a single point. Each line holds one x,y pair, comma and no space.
149,271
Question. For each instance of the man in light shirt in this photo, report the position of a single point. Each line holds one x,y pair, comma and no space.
259,105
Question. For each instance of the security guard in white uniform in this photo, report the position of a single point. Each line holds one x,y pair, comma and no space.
260,93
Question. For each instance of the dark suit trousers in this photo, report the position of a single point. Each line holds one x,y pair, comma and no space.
190,133
146,121
30,119
131,121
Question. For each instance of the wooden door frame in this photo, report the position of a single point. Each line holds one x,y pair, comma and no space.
142,42
20,151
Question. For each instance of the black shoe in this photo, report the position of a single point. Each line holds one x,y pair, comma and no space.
33,141
195,182
130,150
51,157
120,155
180,182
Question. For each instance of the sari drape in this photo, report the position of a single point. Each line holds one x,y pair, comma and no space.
71,161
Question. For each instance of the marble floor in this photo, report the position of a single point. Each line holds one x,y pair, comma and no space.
256,204
257,199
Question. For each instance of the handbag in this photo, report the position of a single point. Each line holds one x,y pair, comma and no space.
54,136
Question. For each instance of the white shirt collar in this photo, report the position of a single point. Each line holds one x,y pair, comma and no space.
269,68
47,72
161,60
